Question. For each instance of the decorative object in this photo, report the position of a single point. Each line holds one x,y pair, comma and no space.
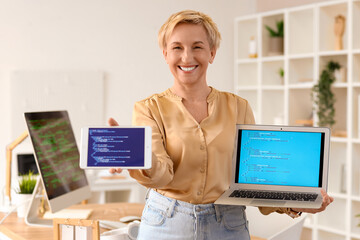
9,149
323,96
339,28
340,74
24,193
276,40
252,48
343,178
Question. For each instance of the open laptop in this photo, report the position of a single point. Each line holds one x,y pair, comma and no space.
279,166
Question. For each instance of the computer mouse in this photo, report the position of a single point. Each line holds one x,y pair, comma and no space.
127,219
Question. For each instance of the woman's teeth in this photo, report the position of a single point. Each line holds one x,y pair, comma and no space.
187,69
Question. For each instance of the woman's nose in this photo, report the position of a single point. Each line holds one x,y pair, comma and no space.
187,56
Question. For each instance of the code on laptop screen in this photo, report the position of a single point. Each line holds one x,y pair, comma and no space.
280,158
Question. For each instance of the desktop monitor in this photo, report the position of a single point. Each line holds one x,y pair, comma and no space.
57,158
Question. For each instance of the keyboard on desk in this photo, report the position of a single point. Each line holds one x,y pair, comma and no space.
274,195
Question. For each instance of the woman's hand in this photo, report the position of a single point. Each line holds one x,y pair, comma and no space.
112,122
326,201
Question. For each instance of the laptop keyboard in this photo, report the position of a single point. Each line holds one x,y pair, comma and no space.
274,195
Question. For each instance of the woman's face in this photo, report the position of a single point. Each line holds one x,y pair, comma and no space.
188,54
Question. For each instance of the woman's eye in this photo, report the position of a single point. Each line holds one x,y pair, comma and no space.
175,48
198,47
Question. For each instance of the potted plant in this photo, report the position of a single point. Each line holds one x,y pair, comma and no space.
323,96
23,194
276,40
281,74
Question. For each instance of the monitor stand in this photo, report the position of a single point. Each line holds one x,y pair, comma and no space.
38,206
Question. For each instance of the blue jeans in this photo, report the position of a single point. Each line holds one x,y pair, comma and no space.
167,218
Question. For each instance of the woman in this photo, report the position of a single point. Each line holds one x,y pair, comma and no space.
193,132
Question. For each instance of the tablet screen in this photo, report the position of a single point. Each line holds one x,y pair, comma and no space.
122,147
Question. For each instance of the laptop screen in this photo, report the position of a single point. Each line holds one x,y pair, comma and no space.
280,158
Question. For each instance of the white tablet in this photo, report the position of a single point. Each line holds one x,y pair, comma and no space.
127,147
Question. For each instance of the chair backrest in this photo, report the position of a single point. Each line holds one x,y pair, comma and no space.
274,226
71,229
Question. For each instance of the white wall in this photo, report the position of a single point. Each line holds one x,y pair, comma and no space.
115,36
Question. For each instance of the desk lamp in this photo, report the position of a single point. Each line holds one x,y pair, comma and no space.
9,149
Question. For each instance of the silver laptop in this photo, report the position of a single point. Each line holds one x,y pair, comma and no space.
279,166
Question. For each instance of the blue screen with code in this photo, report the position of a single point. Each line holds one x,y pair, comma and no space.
280,158
116,147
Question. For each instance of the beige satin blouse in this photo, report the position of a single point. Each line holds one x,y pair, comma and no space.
192,162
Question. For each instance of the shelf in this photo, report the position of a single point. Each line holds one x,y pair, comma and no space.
269,20
247,60
333,53
337,168
323,234
301,31
273,58
337,195
300,105
245,31
273,111
301,70
355,221
356,112
328,222
339,140
327,14
355,25
355,171
300,56
309,46
307,85
274,87
331,230
356,68
271,73
341,59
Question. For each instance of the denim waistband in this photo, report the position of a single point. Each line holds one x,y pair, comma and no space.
169,205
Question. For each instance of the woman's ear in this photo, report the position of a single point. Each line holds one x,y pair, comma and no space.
212,55
165,55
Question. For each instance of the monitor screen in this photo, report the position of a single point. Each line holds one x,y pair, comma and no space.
57,158
280,157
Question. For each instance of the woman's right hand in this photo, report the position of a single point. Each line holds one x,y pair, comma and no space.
112,122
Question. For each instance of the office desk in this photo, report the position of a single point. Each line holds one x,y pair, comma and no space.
15,228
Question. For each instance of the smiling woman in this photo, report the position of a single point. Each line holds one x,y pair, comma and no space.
193,132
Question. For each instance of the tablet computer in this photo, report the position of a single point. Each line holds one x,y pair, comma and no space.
127,147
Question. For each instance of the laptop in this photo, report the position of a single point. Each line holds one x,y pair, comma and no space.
279,166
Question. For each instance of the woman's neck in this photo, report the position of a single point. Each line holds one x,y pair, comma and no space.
192,93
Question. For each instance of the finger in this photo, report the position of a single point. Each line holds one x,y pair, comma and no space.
112,122
112,170
118,170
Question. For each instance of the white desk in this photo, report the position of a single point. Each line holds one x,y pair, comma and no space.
115,186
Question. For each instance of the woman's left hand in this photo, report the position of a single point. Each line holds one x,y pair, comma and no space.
326,201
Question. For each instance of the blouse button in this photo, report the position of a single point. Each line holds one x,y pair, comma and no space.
202,170
198,193
202,147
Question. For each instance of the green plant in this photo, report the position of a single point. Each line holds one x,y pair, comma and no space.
27,183
323,96
281,72
279,32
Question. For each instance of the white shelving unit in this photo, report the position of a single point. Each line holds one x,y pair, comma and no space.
309,43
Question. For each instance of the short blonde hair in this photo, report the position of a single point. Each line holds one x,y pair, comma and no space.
191,17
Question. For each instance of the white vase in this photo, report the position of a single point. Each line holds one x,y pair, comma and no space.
23,202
